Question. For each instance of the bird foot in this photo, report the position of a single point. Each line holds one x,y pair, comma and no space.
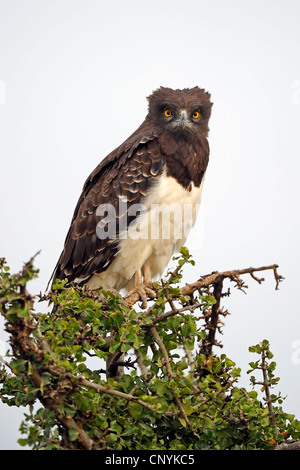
141,292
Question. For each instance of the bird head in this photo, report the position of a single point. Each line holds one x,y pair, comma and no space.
182,112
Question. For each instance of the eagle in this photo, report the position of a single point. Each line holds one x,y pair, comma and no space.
138,205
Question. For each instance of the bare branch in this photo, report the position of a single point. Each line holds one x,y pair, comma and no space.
210,279
212,321
294,445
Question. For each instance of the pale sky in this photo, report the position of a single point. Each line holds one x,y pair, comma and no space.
74,76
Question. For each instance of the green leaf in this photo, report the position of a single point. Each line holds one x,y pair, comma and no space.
160,387
115,427
135,409
30,369
114,346
73,434
18,365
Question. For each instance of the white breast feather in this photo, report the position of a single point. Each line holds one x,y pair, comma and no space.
155,236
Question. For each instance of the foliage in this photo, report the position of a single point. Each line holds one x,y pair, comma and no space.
174,392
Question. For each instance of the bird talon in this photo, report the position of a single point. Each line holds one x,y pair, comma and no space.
140,292
150,291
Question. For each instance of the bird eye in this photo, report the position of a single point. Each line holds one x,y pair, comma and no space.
196,114
168,113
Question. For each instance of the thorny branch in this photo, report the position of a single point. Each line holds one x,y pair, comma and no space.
233,275
211,282
24,346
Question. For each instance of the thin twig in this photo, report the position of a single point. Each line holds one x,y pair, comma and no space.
267,390
170,313
161,346
109,391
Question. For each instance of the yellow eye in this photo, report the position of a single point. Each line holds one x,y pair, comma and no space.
168,113
196,114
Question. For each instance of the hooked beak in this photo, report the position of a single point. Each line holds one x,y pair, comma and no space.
183,118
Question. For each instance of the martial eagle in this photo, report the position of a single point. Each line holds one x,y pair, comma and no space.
121,235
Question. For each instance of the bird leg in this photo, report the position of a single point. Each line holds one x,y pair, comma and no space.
147,275
141,289
148,281
138,292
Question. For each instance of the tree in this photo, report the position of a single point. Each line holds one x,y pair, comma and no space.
97,373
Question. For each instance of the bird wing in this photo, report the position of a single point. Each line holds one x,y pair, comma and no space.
128,172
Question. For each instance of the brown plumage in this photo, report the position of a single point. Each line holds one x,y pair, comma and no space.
171,144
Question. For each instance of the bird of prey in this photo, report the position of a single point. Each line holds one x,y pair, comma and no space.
138,205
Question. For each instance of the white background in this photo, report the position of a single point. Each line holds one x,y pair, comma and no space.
74,76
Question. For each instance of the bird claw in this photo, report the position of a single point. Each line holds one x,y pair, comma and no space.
141,292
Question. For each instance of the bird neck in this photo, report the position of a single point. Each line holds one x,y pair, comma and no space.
186,158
